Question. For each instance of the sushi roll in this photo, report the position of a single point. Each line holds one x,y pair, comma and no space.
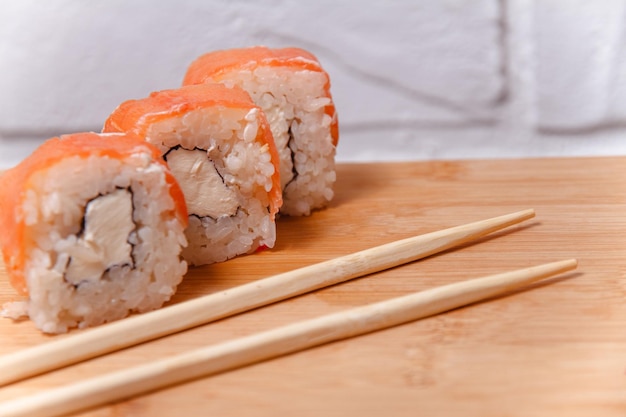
92,230
294,92
219,146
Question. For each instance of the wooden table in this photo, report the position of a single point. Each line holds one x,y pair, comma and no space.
558,348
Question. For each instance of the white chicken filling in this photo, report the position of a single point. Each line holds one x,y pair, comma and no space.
205,192
103,243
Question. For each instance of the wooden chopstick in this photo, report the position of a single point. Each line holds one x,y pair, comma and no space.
272,343
141,328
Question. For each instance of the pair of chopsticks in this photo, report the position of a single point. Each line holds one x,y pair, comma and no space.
265,345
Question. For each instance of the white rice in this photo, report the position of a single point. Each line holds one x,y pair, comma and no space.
54,209
295,100
227,135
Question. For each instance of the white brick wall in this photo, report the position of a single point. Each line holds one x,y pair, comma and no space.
580,64
411,79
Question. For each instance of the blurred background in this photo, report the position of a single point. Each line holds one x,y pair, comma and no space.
411,80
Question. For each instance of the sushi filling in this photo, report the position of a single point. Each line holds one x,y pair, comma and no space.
205,192
103,242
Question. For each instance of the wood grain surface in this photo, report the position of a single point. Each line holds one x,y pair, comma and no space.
556,348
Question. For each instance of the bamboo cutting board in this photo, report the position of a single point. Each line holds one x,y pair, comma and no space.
557,348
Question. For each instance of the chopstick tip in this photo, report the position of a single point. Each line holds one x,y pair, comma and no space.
566,265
